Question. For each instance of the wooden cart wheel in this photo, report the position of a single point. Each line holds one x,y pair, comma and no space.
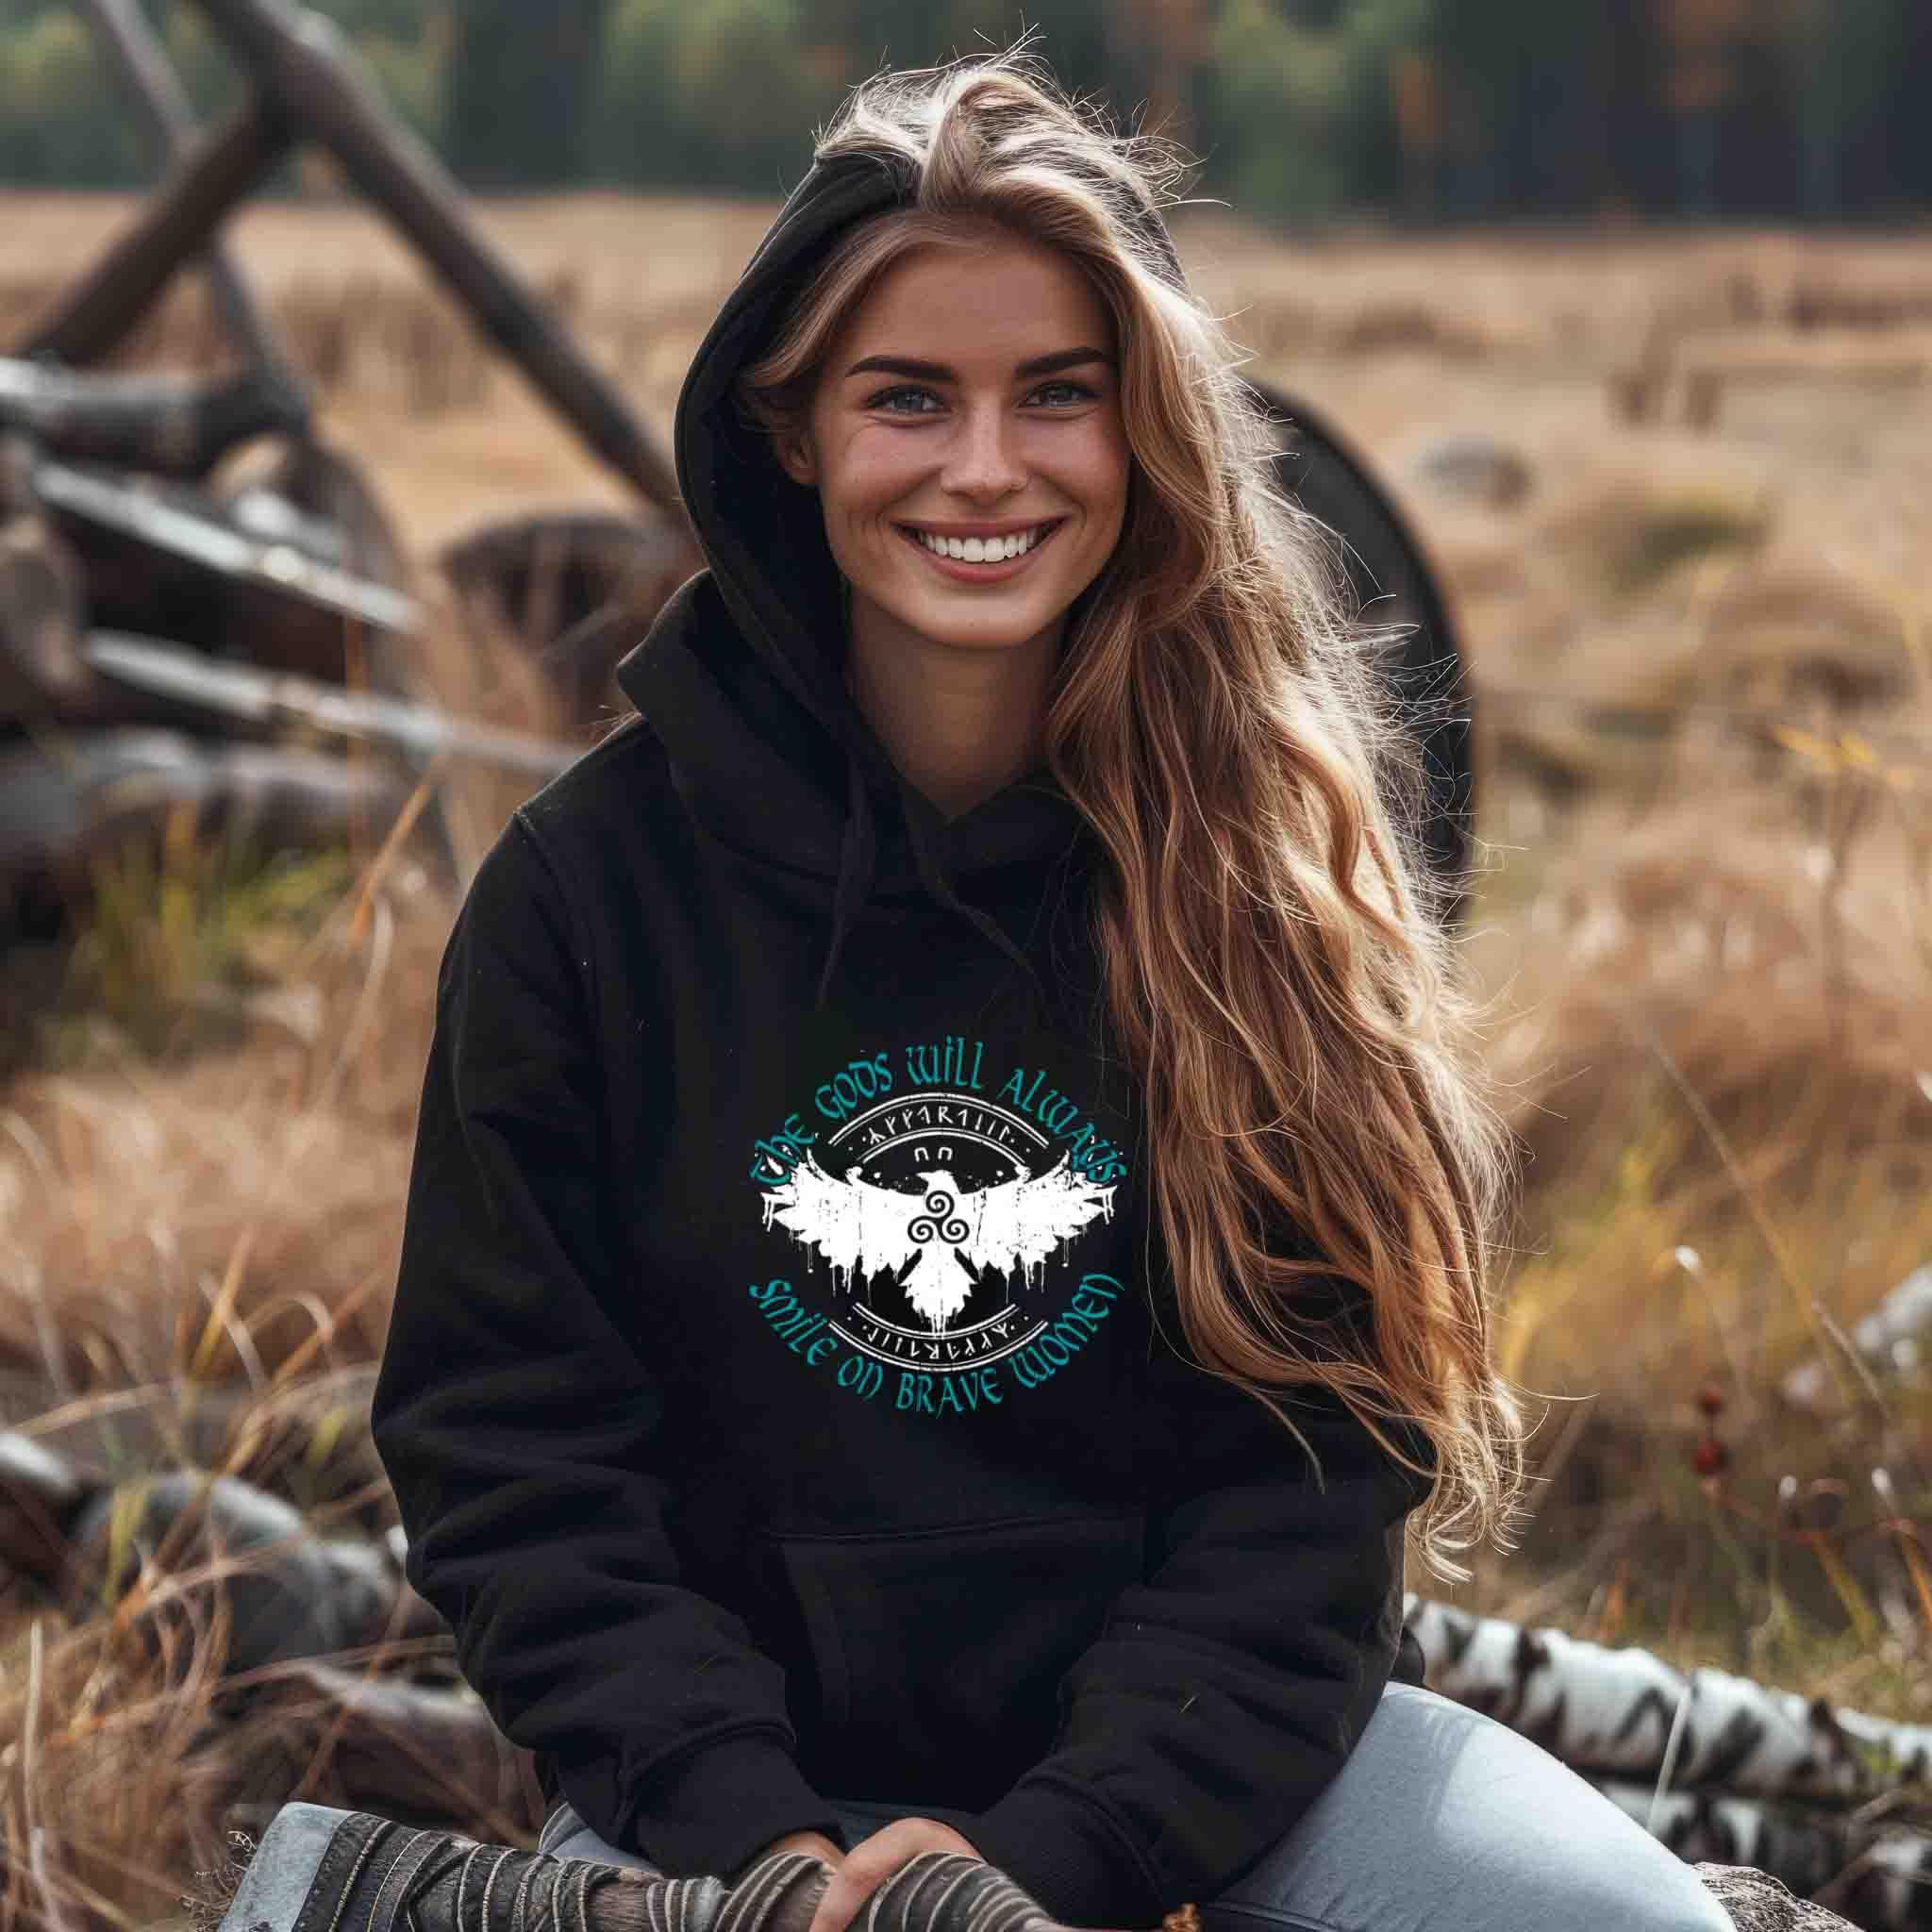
1395,583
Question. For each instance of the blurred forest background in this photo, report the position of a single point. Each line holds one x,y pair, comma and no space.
1438,109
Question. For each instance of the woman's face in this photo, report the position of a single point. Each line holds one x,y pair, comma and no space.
967,445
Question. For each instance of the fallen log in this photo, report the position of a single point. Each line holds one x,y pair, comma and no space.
289,1593
170,558
1879,1879
72,804
402,1749
1629,1715
163,424
265,698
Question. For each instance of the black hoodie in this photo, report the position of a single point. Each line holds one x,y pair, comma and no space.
782,1395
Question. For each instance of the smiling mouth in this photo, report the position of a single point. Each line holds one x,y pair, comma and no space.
981,550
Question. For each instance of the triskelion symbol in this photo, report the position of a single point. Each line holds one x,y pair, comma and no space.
952,1234
933,1227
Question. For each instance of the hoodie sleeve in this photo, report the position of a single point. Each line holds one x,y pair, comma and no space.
519,1429
1228,1687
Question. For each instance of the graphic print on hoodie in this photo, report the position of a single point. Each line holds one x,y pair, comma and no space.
783,1394
945,1203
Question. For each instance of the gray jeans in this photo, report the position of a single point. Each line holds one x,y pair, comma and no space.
1442,1819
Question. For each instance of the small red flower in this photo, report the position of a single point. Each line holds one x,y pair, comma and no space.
1710,1399
1710,1458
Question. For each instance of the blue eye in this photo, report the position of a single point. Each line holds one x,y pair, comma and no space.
1071,393
887,397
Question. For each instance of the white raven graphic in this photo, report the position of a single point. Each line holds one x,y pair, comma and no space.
864,1229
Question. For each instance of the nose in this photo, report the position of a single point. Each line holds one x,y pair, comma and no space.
981,462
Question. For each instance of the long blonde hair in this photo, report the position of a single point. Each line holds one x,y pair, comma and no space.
1272,963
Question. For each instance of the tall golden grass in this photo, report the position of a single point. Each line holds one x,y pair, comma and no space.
1700,654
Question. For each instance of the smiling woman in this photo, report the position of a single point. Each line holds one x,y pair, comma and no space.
930,1541
969,503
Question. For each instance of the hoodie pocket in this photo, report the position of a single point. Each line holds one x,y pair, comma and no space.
939,1653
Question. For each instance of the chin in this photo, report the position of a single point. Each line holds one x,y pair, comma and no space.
981,634
978,619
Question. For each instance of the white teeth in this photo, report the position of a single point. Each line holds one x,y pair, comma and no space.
982,549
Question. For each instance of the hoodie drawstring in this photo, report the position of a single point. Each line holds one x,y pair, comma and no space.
858,849
857,863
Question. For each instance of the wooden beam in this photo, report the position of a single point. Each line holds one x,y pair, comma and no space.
177,225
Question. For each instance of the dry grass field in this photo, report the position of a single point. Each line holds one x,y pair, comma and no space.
1699,642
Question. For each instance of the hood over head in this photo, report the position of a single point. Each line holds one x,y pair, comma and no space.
742,675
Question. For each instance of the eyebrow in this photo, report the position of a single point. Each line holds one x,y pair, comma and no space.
939,372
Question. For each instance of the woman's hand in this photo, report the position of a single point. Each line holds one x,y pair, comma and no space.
815,1842
867,1867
